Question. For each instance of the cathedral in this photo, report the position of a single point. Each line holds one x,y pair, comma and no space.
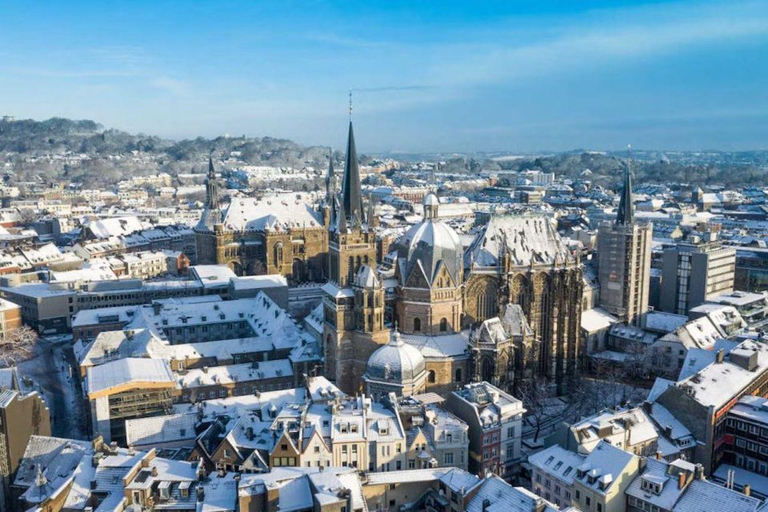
505,309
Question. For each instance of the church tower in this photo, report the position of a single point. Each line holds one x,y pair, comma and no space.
354,298
351,242
624,260
210,221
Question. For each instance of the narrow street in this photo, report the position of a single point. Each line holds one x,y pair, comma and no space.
51,372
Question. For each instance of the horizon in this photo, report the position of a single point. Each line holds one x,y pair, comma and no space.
499,78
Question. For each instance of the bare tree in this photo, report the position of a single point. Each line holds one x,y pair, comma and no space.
534,393
17,345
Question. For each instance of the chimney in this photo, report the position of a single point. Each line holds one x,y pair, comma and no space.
249,433
486,504
720,357
699,472
747,490
668,431
658,455
200,493
681,480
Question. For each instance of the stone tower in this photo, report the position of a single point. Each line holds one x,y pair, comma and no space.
353,299
210,222
624,261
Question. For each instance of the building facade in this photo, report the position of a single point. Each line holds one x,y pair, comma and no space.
279,234
522,260
624,261
692,273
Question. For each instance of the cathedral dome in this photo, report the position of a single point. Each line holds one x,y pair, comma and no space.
396,361
431,243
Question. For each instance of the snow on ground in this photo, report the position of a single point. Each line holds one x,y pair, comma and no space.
51,372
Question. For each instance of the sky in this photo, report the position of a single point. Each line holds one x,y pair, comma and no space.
426,76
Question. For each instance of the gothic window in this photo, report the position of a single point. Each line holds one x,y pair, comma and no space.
431,376
443,325
351,270
278,253
457,375
417,325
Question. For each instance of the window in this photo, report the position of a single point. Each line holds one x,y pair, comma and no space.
417,325
587,501
511,432
578,495
457,376
448,458
443,325
431,376
317,449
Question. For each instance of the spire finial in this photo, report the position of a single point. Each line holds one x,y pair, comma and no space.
350,105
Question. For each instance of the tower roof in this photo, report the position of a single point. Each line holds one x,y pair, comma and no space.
626,213
211,171
351,190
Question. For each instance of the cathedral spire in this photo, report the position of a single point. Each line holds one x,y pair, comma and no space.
351,190
211,213
626,213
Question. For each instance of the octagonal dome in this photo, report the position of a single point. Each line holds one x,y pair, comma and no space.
396,361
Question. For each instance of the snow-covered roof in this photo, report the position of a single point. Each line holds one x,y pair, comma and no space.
234,373
439,347
127,372
430,244
717,383
703,495
395,362
557,462
597,319
276,212
529,240
159,430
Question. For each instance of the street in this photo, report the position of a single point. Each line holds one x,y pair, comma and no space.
50,372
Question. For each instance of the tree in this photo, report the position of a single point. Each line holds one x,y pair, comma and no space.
17,345
534,394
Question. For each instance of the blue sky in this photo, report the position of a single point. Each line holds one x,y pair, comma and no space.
428,76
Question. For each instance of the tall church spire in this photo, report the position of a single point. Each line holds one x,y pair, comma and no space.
212,194
626,212
352,195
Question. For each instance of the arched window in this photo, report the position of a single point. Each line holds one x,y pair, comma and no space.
431,376
457,375
278,253
351,270
443,325
417,325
